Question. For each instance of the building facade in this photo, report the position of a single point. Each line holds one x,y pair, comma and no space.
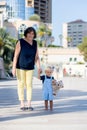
29,8
23,9
74,32
3,9
16,9
44,9
16,28
62,55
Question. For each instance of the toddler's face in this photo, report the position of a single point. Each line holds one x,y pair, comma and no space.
48,72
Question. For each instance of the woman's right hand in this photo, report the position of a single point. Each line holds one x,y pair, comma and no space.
14,72
16,54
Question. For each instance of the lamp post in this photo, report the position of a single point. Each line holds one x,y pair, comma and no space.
60,37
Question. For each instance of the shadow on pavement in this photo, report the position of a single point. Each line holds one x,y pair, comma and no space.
65,102
8,96
59,108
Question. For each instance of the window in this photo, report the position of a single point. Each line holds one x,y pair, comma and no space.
79,25
30,3
70,59
75,59
74,32
22,28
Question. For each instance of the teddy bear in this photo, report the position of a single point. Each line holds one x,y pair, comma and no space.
57,85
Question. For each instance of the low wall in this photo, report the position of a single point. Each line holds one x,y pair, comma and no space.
2,70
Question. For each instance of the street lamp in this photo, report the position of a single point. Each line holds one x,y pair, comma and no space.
60,37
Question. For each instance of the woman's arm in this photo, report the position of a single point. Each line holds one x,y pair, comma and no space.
37,61
17,51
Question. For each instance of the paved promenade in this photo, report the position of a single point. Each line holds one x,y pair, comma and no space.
70,107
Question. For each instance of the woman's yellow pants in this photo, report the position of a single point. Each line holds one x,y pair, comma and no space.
24,78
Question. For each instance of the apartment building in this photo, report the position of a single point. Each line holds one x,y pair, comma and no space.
74,32
44,9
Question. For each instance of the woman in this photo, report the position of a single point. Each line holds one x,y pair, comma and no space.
26,54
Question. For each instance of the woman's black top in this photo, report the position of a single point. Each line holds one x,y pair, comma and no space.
26,59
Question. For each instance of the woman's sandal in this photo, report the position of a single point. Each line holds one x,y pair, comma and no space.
30,108
23,108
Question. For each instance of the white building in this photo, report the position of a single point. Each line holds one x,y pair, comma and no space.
61,55
69,59
73,33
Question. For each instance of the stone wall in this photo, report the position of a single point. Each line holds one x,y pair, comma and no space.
2,70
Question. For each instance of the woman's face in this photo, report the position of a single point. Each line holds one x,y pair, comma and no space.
30,35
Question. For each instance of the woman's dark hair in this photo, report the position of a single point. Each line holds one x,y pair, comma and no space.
28,30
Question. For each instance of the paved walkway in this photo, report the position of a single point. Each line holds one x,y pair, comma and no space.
70,107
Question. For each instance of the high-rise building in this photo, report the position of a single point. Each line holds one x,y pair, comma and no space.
44,9
29,8
3,8
16,9
74,32
23,9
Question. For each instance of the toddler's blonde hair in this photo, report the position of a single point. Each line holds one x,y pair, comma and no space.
48,68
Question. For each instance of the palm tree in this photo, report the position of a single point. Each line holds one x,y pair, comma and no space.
60,37
6,47
83,48
69,39
43,33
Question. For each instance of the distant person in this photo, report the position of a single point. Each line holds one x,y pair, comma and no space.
26,54
64,72
55,73
47,87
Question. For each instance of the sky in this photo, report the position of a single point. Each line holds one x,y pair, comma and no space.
64,11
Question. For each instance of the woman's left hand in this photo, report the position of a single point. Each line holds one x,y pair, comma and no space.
39,70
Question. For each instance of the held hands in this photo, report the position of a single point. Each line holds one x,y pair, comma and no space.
39,71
